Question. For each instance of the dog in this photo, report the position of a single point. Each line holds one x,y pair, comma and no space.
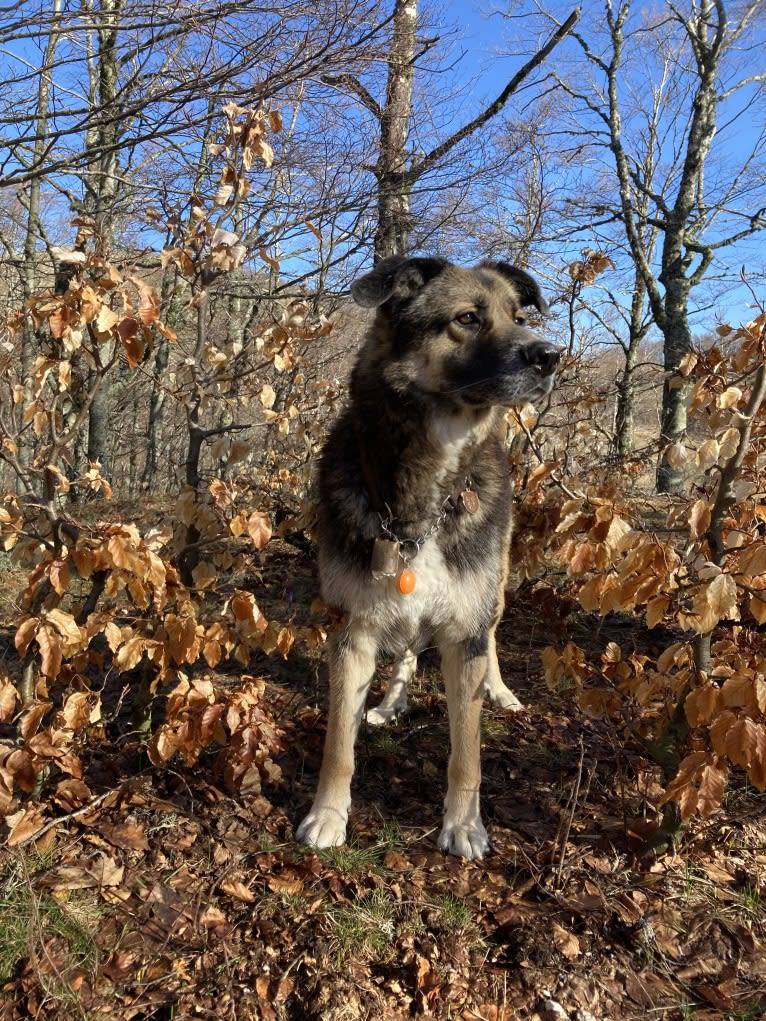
414,512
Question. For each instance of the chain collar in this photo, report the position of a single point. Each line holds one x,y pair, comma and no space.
409,548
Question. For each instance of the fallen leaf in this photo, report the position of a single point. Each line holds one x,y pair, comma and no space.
566,941
102,871
25,823
396,862
126,835
238,890
212,918
285,883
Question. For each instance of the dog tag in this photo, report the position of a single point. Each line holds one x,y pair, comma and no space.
406,582
385,558
470,501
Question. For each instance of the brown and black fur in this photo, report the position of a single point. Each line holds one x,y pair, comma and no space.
448,351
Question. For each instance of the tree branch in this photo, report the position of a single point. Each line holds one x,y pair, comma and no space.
433,157
354,85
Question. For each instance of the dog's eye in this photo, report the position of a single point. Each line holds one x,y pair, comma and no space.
520,319
467,318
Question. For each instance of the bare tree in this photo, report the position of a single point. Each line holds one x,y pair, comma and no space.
397,169
109,124
668,93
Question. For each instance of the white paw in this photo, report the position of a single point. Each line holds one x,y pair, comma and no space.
468,839
323,827
383,713
380,716
395,701
503,697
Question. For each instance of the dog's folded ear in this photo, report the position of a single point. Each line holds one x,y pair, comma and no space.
396,275
529,292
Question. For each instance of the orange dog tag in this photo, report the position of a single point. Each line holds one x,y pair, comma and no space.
406,582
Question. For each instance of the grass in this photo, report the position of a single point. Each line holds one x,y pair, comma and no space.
390,837
363,929
454,915
750,900
32,922
355,860
12,581
382,742
366,927
350,859
455,920
493,726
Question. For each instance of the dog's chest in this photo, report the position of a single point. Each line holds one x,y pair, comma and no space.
441,607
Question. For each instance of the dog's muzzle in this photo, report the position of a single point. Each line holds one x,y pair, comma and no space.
542,356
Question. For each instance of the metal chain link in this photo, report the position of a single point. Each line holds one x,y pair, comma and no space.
407,556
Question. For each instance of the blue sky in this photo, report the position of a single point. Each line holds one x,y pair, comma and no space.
489,39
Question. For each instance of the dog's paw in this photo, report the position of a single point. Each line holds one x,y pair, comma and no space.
395,701
323,827
469,839
381,715
385,712
503,697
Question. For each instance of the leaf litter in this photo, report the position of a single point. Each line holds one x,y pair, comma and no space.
208,909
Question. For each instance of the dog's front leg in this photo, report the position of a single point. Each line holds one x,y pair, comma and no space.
464,666
352,664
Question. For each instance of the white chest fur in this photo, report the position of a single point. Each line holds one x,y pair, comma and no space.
442,605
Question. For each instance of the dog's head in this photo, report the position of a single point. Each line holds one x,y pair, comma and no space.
460,333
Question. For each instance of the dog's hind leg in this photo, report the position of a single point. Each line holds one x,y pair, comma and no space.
464,665
497,692
395,701
352,664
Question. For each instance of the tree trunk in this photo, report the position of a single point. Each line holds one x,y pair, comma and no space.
101,192
98,429
29,265
393,230
105,192
677,337
624,431
156,404
396,170
624,439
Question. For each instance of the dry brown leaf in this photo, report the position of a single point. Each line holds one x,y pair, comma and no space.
128,836
212,918
25,823
288,883
238,890
566,941
259,528
102,871
72,794
8,699
396,862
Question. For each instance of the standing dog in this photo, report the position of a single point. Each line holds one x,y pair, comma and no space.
415,510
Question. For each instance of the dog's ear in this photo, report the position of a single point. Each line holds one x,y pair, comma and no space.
395,275
529,292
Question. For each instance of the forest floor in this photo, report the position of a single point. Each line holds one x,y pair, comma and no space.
168,898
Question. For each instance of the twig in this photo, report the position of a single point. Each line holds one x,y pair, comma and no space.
570,820
66,818
559,482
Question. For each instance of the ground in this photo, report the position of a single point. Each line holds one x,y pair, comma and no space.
171,898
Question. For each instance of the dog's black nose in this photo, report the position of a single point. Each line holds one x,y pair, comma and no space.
542,356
